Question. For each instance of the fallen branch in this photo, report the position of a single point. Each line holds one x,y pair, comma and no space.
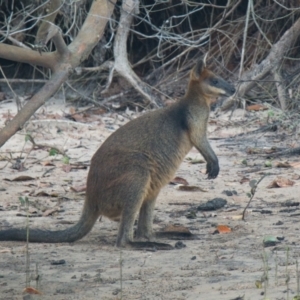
64,59
32,105
288,152
129,7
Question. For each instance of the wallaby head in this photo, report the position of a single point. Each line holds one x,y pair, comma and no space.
204,82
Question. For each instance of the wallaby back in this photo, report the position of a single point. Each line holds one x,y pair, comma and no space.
136,161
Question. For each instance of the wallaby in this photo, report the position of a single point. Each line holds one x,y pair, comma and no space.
136,161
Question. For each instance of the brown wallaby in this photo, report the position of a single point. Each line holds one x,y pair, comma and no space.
135,162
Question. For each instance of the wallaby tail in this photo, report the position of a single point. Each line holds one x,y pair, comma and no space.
74,233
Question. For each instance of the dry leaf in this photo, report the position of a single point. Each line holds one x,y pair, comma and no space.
252,150
295,164
78,118
281,164
179,180
5,250
295,176
238,217
50,211
72,110
48,163
189,188
280,182
32,210
78,166
98,111
35,215
287,164
45,184
256,107
42,194
54,194
31,290
223,229
78,189
244,179
176,228
20,178
67,168
55,116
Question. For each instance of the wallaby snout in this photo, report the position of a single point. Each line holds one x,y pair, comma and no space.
218,84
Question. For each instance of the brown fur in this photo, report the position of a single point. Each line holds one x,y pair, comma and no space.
135,162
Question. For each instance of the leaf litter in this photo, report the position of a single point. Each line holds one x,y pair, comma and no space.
96,253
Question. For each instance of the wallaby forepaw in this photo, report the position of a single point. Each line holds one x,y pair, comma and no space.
212,176
212,171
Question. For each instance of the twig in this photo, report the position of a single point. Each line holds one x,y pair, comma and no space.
121,274
27,244
47,171
14,41
30,138
244,39
253,190
105,65
18,102
19,80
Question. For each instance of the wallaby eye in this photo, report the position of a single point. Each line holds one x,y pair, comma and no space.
215,81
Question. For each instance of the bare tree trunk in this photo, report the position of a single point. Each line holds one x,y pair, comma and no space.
272,61
64,59
129,7
280,88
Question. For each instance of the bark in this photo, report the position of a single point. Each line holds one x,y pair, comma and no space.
271,62
60,62
28,56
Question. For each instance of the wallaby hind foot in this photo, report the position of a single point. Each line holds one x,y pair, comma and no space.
128,171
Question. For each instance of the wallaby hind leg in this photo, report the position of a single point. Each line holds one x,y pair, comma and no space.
135,202
134,199
125,235
144,229
132,192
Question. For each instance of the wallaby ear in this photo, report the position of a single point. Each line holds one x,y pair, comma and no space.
200,66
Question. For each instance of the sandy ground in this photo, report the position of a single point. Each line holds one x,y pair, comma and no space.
213,266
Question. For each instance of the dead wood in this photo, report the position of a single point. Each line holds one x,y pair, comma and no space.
51,10
271,62
64,59
129,8
288,152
